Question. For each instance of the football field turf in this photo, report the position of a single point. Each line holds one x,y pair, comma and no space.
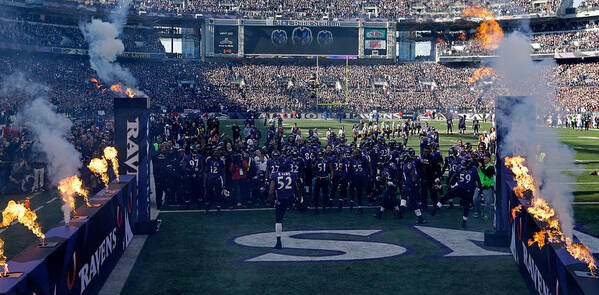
195,253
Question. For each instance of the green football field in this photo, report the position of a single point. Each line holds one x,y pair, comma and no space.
194,253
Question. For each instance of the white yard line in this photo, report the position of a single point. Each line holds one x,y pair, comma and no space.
52,200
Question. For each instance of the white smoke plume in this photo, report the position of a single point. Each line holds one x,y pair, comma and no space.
105,44
17,84
525,137
52,129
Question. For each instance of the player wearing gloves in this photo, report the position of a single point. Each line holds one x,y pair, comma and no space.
283,185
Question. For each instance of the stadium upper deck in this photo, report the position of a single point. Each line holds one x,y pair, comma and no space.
339,9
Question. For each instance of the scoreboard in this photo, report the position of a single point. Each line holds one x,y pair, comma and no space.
375,41
226,40
300,40
239,38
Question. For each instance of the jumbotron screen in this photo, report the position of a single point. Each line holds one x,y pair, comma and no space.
300,40
225,40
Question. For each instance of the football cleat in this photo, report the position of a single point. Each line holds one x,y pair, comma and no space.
278,245
421,220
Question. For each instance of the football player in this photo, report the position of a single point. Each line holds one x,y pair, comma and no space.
359,171
411,184
283,185
297,165
214,181
451,164
337,176
463,183
430,173
392,176
321,169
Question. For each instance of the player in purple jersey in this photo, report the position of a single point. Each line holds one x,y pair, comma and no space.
411,184
391,176
337,167
451,164
273,164
321,170
359,171
430,168
463,183
283,185
297,165
214,181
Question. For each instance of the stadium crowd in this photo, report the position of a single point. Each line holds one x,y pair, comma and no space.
588,5
212,87
236,86
546,38
337,9
35,33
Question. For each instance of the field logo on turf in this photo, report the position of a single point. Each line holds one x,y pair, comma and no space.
339,250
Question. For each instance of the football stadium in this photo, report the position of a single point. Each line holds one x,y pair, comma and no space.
299,147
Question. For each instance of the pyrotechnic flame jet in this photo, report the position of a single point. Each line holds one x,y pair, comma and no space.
70,186
99,167
20,212
3,263
111,154
545,215
489,32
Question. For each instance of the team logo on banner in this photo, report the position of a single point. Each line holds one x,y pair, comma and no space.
324,38
278,37
71,278
302,36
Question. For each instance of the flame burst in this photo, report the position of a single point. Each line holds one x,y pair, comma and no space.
3,263
524,180
70,186
539,238
481,72
99,167
118,88
515,211
543,212
98,85
18,211
489,32
111,154
582,253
